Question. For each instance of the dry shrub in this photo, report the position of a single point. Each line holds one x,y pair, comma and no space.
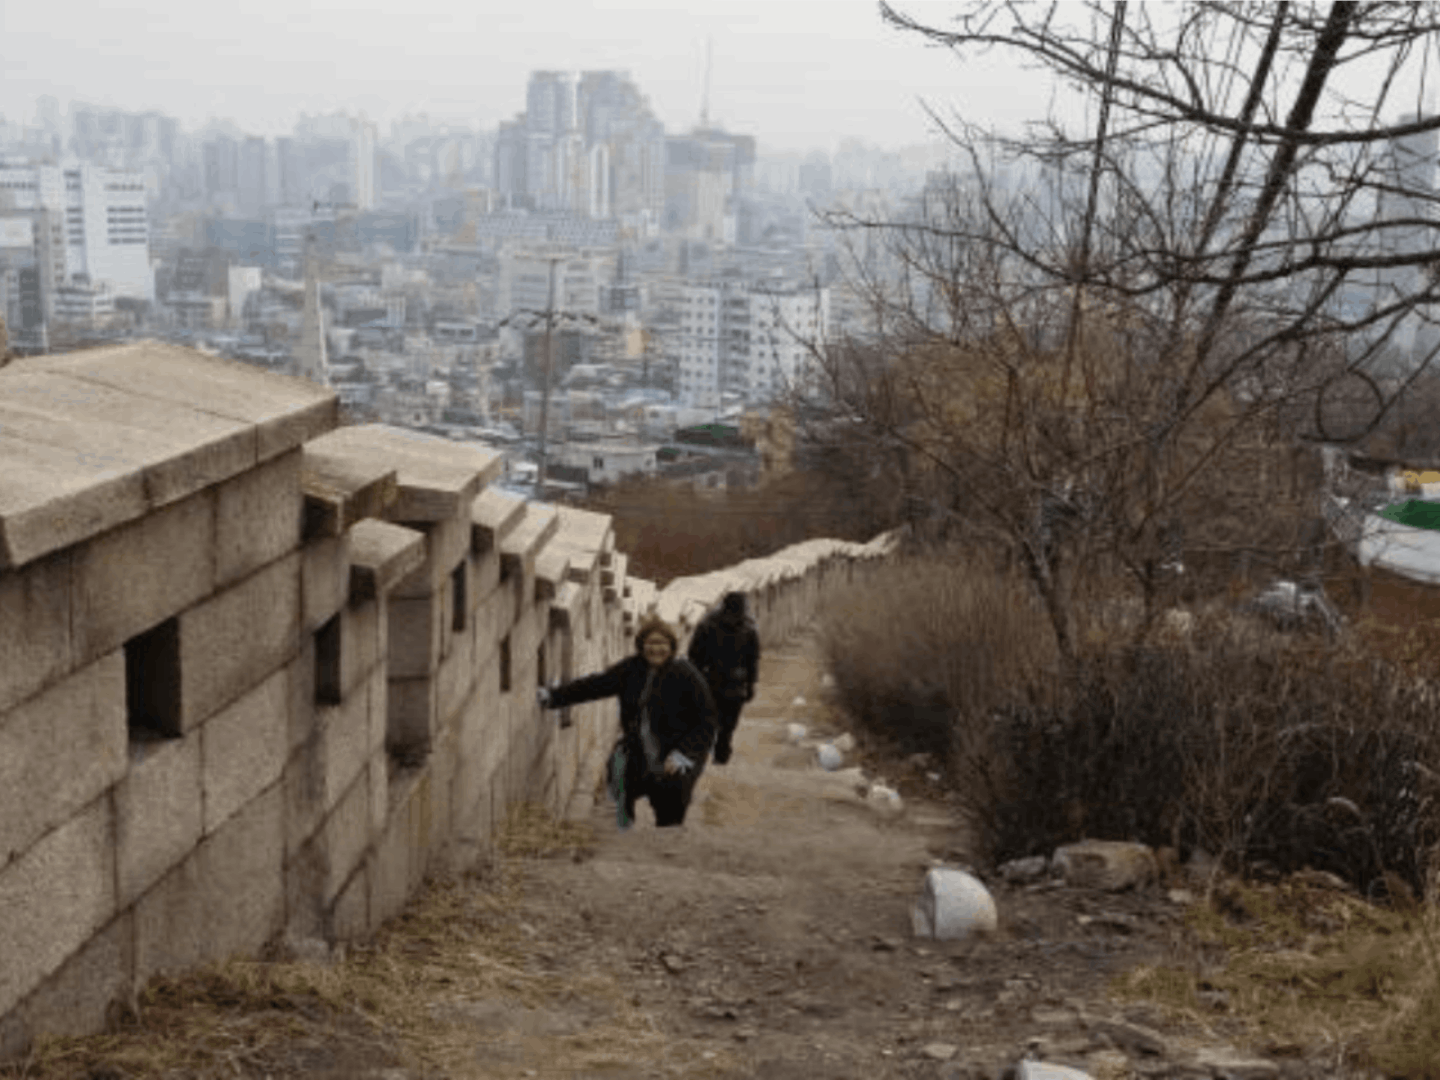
671,530
1259,747
928,637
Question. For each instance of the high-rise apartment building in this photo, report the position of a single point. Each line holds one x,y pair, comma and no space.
363,184
1410,167
27,274
550,103
99,227
250,169
358,137
222,167
590,148
750,339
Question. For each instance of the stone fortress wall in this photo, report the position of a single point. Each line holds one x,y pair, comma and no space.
261,673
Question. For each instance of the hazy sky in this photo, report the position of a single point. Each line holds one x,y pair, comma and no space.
797,74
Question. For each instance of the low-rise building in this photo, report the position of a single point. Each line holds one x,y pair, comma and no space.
607,462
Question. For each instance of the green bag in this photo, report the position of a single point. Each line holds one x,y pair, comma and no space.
616,786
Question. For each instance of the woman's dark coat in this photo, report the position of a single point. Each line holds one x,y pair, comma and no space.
682,713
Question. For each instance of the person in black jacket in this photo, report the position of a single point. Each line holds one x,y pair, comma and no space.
667,721
726,649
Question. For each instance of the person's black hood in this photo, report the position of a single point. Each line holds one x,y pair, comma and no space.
733,606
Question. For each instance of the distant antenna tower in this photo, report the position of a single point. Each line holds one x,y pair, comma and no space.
705,99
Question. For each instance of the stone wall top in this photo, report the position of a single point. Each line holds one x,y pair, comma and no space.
94,439
436,477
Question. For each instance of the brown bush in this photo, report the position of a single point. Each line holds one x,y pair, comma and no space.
1258,747
671,530
930,636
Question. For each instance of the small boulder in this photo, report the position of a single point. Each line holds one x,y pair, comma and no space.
952,906
1106,864
828,757
795,733
797,702
845,743
1043,1070
883,799
1024,871
1135,1038
1231,1065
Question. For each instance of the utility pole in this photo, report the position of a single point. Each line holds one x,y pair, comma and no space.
529,318
545,364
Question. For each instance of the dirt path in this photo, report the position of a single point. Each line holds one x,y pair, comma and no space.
770,936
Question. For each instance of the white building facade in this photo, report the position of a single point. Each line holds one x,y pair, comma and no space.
101,226
750,340
525,279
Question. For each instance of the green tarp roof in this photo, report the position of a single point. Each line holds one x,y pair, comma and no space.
1415,513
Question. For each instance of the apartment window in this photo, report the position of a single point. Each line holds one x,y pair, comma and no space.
327,663
152,682
505,664
540,666
458,604
597,463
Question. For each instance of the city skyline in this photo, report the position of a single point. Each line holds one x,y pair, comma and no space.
774,75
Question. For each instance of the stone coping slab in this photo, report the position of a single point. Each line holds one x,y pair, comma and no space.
342,488
91,440
588,536
437,479
552,567
518,550
284,411
563,607
382,555
494,515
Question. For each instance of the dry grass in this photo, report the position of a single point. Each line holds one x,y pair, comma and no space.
928,638
1311,968
456,986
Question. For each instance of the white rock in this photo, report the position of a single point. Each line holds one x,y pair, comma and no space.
829,757
1227,1062
798,703
953,905
884,799
845,743
1043,1070
940,1051
827,681
795,734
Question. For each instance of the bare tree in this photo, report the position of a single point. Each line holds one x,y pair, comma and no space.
1085,344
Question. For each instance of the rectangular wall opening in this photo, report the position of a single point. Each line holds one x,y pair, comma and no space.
458,606
540,666
505,664
327,663
152,683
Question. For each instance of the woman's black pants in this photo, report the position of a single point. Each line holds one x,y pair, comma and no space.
669,795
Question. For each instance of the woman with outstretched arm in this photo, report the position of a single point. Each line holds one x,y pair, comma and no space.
667,723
